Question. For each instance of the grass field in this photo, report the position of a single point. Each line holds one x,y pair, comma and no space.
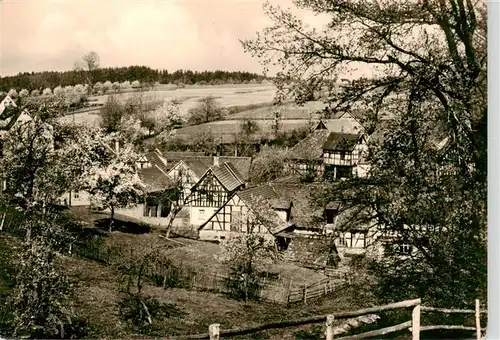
226,95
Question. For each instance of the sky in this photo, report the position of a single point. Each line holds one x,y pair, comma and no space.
39,35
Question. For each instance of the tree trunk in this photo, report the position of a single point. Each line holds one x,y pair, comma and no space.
112,219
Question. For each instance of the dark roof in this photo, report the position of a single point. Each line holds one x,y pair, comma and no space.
264,198
263,194
154,179
199,167
240,164
356,114
353,219
225,173
155,158
304,212
341,141
311,146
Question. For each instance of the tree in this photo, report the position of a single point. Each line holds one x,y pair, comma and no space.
98,88
47,92
37,174
88,66
107,86
269,164
135,84
166,117
247,252
23,93
112,179
249,127
111,114
206,111
41,301
35,93
429,64
125,85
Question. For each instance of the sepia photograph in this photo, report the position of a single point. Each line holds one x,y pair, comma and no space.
245,169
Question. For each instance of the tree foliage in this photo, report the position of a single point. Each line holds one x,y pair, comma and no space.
207,110
427,61
247,253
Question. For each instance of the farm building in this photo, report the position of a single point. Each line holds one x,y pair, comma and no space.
9,115
258,210
213,190
328,154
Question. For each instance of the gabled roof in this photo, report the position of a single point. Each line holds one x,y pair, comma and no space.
199,167
341,141
263,194
228,176
311,146
240,164
337,125
262,201
155,178
304,212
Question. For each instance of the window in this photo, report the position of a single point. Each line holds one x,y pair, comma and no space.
405,249
165,210
150,208
236,221
76,194
201,214
345,240
342,154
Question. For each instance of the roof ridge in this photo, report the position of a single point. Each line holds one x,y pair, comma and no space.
227,165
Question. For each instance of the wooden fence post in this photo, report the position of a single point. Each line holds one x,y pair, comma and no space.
329,326
415,323
478,321
214,331
289,292
305,294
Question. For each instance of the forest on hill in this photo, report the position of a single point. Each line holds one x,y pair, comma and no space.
144,74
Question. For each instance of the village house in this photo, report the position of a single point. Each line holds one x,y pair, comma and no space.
153,209
213,190
9,116
258,210
333,150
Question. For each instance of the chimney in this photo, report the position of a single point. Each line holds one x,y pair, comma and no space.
216,160
117,146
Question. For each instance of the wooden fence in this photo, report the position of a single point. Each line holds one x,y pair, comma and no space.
312,291
413,325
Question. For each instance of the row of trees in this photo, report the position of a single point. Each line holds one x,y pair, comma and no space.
142,74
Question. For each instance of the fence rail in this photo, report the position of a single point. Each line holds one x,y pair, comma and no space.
215,333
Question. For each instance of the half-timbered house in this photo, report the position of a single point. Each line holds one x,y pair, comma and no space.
341,153
258,210
213,190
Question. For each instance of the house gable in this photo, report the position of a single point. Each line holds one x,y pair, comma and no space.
209,191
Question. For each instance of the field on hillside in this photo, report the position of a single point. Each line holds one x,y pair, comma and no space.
189,96
226,95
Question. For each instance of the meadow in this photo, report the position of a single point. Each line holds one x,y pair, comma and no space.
189,96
